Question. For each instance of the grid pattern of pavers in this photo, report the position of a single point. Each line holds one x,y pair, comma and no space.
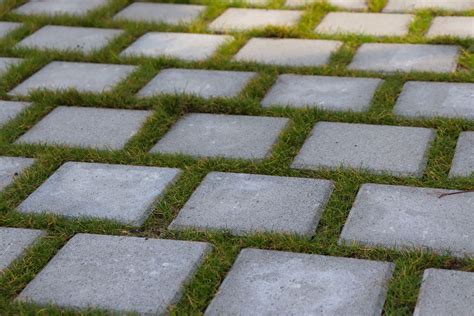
14,242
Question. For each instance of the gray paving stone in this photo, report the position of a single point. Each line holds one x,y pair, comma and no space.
86,127
84,77
14,242
457,26
228,136
463,163
245,204
288,51
119,274
187,46
409,217
7,62
125,194
240,19
446,292
7,27
55,7
436,99
412,5
202,83
10,167
328,93
256,2
346,4
67,38
396,150
10,109
264,282
160,12
376,24
405,57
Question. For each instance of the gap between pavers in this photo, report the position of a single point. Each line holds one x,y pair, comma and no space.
58,7
412,5
8,27
11,167
14,242
463,162
7,62
10,109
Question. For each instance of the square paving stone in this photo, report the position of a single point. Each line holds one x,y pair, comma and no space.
160,12
376,24
84,77
125,194
436,99
245,204
10,109
328,93
227,136
7,62
119,274
202,83
265,282
14,242
64,38
446,292
409,217
457,26
187,46
396,150
463,163
7,27
346,4
86,127
412,5
10,167
55,7
288,51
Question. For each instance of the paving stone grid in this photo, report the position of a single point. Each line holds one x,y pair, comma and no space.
237,157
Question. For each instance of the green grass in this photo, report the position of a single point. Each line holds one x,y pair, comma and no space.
404,286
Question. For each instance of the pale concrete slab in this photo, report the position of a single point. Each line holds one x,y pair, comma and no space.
396,150
288,51
410,217
463,163
118,274
345,4
412,5
8,27
10,109
7,62
265,282
14,242
256,2
245,204
122,193
11,167
227,136
57,7
405,57
457,26
83,77
169,13
86,127
327,93
202,83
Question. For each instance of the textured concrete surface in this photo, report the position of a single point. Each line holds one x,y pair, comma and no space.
84,77
10,167
119,274
7,62
411,217
411,5
7,27
14,242
169,13
288,51
245,204
241,19
202,83
10,109
446,292
436,99
86,127
187,46
346,4
405,57
396,150
264,282
122,193
328,93
457,26
463,162
228,136
66,38
376,24
56,7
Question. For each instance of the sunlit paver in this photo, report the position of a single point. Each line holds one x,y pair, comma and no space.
10,167
14,242
411,5
346,4
169,13
456,26
10,109
7,62
8,27
56,7
463,163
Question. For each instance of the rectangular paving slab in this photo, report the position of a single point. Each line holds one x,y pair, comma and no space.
456,26
412,5
67,38
396,150
245,204
8,27
327,93
11,167
7,62
288,51
436,99
405,57
10,109
14,242
57,7
83,77
345,4
86,127
227,136
409,217
118,274
122,193
264,282
446,292
463,163
198,82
